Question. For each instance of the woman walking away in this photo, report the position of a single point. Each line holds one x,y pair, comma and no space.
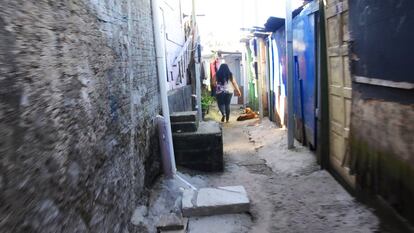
225,86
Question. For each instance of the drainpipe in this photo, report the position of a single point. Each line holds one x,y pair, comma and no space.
289,63
268,74
193,15
245,77
260,77
159,34
168,147
197,61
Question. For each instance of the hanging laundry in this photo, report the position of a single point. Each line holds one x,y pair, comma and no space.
214,65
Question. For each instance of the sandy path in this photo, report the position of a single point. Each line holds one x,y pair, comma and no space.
288,192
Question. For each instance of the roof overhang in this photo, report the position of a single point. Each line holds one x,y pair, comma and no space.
274,23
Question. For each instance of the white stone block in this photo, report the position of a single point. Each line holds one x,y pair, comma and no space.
212,201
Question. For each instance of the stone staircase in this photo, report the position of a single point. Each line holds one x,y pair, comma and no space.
197,145
184,122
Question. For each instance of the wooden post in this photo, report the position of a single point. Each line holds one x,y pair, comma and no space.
289,64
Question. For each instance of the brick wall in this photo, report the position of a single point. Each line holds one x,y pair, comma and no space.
78,97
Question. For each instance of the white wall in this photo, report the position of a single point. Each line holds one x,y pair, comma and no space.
174,38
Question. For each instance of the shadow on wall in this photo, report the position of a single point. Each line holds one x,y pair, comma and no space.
181,99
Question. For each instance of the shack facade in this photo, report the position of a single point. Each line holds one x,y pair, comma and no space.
352,88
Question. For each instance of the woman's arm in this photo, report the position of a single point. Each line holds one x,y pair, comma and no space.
236,87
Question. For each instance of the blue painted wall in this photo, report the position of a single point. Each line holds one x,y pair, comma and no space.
305,74
304,50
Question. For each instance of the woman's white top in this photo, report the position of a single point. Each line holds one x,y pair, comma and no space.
226,88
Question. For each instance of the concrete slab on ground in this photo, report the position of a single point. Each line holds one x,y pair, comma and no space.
213,201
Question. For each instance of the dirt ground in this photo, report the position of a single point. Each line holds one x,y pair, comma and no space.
287,189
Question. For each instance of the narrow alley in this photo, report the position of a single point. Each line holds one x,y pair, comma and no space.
288,190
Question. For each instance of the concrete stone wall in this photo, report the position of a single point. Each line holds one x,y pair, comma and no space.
180,100
78,97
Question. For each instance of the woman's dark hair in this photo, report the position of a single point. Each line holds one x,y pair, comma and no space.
224,74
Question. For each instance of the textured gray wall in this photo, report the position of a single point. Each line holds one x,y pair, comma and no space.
78,96
180,100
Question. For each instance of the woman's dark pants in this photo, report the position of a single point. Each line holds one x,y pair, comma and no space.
223,101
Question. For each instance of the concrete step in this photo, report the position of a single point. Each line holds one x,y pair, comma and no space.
184,230
201,150
213,201
184,127
184,116
172,222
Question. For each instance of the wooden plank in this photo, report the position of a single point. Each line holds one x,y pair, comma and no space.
340,86
347,92
334,9
337,115
334,51
335,71
332,32
331,2
345,29
346,133
344,173
347,72
344,50
336,91
337,146
337,128
384,83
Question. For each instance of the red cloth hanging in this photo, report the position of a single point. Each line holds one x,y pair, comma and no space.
214,65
